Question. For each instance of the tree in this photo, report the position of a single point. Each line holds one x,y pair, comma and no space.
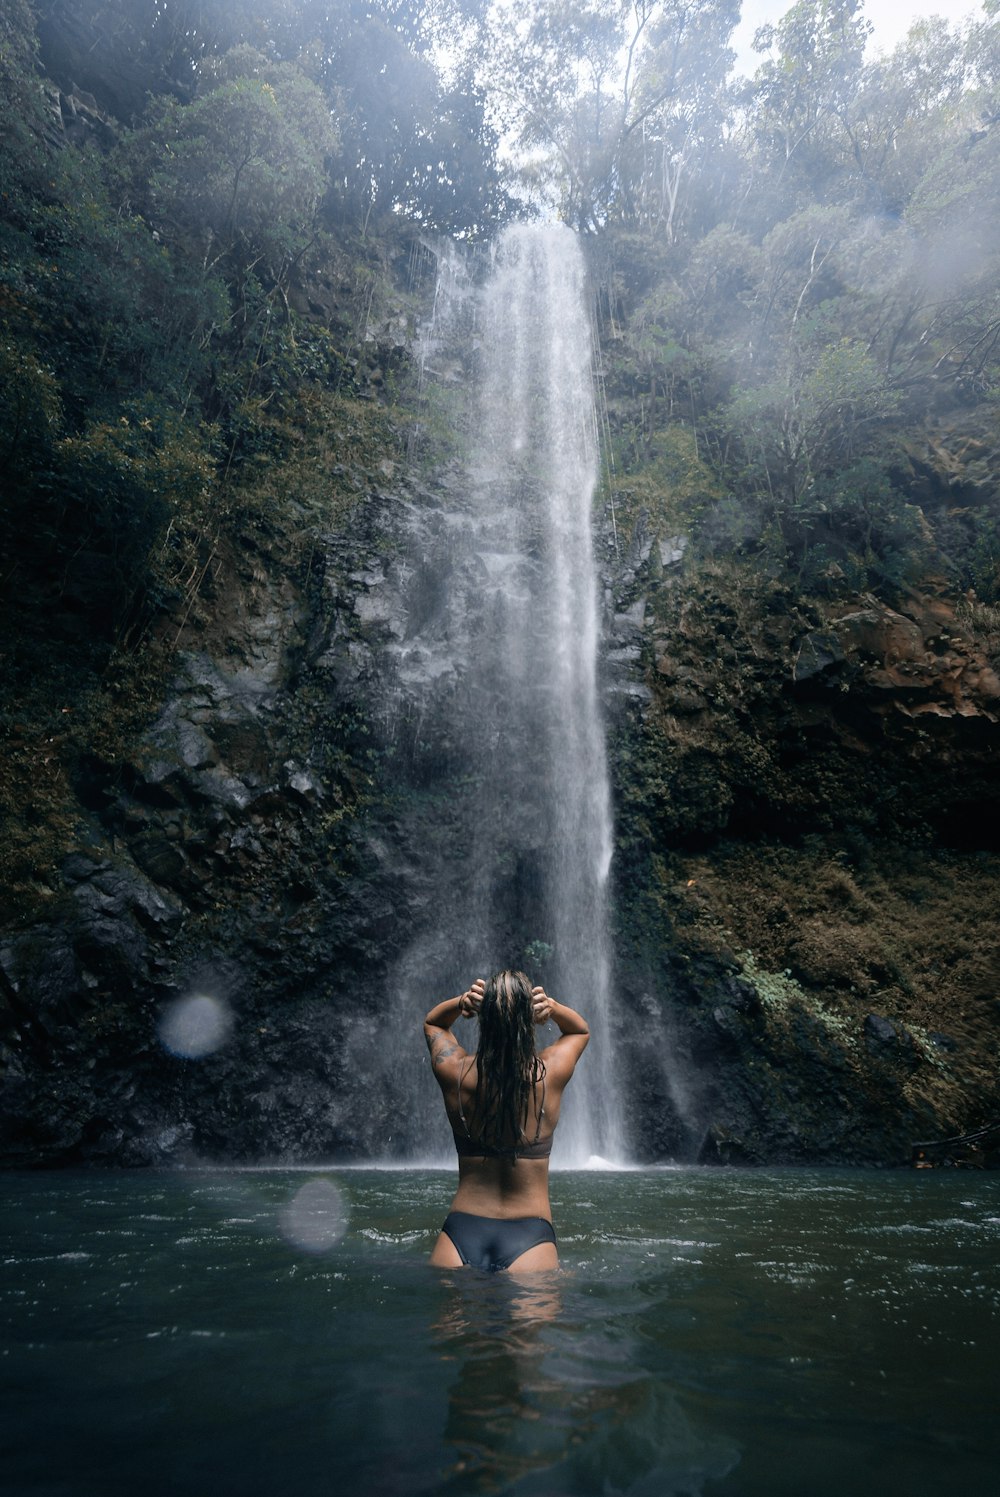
560,89
244,160
606,99
407,136
799,97
410,138
674,128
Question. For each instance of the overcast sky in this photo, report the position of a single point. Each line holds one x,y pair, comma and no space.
892,19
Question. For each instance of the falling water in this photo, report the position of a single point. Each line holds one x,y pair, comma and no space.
535,473
497,707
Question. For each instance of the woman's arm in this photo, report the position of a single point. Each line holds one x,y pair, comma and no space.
574,1032
437,1025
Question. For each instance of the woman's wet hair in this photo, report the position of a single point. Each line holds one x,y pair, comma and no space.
506,1062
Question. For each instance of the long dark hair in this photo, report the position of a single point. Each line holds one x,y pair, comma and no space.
506,1063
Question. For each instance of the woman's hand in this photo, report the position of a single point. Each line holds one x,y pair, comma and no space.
541,1006
472,999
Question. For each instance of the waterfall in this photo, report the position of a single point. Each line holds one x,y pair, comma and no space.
498,675
535,469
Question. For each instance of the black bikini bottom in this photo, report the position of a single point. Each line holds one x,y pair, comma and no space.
493,1242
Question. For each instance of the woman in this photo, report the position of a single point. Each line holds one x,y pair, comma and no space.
503,1107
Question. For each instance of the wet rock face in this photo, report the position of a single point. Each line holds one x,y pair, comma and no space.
796,787
281,833
274,840
232,852
920,663
818,652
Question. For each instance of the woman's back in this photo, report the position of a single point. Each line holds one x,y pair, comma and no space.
503,1105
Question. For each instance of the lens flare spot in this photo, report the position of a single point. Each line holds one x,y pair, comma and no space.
195,1026
315,1219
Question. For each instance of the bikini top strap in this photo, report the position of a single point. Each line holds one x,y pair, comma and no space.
541,1113
458,1095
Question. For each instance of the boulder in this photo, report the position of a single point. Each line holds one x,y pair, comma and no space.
817,653
880,633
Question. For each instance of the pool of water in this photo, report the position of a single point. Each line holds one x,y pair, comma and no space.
711,1331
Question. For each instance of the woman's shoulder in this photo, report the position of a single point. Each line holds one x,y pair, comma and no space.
559,1061
447,1056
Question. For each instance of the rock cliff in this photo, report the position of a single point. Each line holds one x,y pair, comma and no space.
806,868
808,803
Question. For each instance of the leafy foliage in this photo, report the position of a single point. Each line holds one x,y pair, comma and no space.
168,190
797,272
800,268
244,159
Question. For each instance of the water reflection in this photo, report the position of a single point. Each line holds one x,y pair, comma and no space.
543,1399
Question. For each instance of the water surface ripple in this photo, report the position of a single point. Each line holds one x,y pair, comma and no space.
770,1332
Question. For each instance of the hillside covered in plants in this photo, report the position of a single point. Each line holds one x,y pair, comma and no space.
225,461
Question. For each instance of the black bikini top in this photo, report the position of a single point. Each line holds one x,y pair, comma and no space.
468,1147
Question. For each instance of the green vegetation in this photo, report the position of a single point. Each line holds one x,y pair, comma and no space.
200,213
798,269
172,195
797,273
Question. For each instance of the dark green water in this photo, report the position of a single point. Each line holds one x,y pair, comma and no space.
774,1332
